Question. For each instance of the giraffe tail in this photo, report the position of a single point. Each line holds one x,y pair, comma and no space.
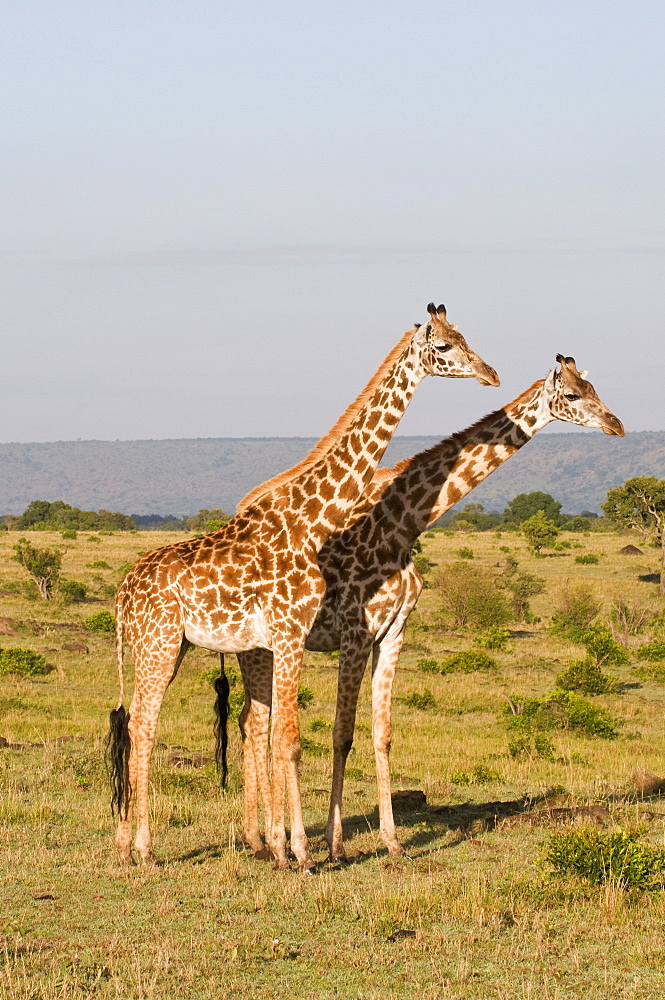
118,742
221,722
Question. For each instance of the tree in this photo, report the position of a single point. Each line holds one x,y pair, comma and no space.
207,520
539,531
475,517
640,504
525,505
43,515
42,564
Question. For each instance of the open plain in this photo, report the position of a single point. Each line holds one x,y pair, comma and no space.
471,912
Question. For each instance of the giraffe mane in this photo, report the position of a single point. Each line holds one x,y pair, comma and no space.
322,447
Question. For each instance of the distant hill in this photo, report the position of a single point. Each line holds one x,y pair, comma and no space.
181,476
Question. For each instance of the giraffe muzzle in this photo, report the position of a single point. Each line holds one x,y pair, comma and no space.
487,376
612,426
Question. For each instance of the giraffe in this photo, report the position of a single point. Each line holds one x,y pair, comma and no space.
256,582
372,584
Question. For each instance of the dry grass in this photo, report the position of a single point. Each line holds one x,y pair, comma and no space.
483,919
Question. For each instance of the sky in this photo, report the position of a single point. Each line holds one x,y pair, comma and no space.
217,218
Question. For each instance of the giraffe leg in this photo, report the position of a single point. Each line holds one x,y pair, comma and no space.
256,669
286,755
354,649
384,663
152,680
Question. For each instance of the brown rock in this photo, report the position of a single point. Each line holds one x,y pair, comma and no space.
630,550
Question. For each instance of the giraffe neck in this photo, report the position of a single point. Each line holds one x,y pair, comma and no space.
424,487
324,495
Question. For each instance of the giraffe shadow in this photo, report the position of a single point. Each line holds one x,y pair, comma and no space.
430,824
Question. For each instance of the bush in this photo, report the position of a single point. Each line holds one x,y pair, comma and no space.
101,621
539,532
521,587
578,607
492,638
577,524
478,775
465,552
652,651
561,710
72,591
587,677
305,696
98,564
468,662
320,725
472,597
630,619
23,662
532,745
602,648
588,560
69,534
600,857
42,564
429,666
651,672
124,570
423,702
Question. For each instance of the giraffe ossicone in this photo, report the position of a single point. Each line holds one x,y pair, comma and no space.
256,582
372,585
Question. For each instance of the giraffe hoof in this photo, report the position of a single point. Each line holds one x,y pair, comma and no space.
311,870
264,854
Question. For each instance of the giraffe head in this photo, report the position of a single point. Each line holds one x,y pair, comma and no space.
444,351
570,397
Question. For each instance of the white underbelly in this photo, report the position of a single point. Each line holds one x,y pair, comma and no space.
253,632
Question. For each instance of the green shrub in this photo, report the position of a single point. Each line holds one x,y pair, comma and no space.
652,651
582,715
587,677
124,570
561,710
69,534
310,747
72,591
540,532
577,609
42,564
531,745
465,552
101,621
305,696
651,672
23,662
492,638
210,674
98,564
478,775
429,666
469,661
471,595
602,647
521,586
587,560
319,725
600,857
423,702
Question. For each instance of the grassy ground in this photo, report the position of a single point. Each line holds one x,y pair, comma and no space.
472,913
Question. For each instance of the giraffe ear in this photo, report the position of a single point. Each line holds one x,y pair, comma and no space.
550,381
441,311
431,309
583,374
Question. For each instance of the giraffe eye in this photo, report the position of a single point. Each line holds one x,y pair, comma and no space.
443,347
571,396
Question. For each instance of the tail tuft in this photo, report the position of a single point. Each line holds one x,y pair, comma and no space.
221,721
118,745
